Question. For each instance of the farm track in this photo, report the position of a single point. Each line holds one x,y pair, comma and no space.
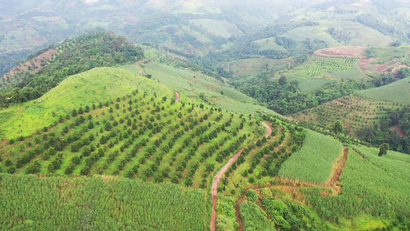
218,177
178,97
292,186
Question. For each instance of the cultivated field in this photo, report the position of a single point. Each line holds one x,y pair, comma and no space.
355,112
398,92
314,161
322,67
98,203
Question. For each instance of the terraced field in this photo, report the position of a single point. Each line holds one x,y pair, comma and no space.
355,112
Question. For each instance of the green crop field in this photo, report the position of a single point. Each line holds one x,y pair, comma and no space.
398,92
94,86
396,163
314,161
317,67
98,203
367,190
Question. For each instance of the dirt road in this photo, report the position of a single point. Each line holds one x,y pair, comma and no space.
218,176
178,96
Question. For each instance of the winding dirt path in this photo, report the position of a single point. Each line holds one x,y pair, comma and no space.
178,97
218,177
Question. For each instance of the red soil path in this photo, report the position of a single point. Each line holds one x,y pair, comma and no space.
218,178
178,96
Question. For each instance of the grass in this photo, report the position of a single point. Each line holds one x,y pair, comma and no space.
314,161
250,67
192,84
73,92
310,85
398,92
395,163
269,44
367,190
300,34
386,54
255,218
318,67
98,203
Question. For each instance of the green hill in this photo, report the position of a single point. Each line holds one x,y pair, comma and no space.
92,87
200,86
398,92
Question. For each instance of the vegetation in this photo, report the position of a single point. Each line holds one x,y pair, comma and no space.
143,134
314,161
373,121
74,56
98,203
317,66
96,86
394,92
286,98
367,189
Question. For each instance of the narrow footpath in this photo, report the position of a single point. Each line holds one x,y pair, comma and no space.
218,177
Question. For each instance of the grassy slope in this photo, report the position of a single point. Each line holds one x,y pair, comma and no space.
98,203
314,161
367,190
75,91
192,84
398,91
396,163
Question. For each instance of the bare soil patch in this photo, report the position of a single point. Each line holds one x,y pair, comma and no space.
36,61
399,131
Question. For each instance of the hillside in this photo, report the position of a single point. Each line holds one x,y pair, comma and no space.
93,87
205,115
196,85
398,92
55,63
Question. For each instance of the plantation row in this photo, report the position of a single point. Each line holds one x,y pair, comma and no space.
261,161
316,66
355,112
138,135
98,203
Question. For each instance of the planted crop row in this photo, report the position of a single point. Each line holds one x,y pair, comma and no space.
139,135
